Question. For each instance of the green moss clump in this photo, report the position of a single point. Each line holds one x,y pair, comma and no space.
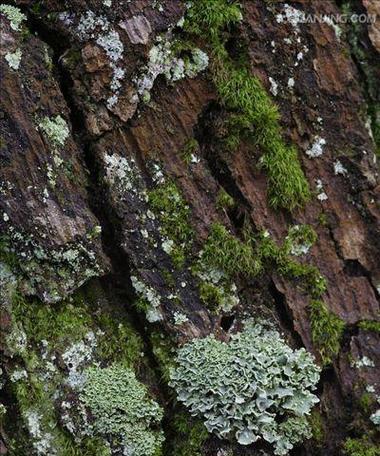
189,149
366,401
255,254
226,252
326,329
317,429
121,344
360,447
252,111
211,295
224,200
299,239
7,255
122,409
370,325
191,435
173,213
60,324
163,352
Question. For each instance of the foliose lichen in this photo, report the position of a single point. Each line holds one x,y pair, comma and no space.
55,129
122,409
14,15
163,60
14,59
254,387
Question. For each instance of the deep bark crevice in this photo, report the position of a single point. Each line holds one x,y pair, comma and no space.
118,281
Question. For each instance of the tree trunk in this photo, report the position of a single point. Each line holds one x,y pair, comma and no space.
131,133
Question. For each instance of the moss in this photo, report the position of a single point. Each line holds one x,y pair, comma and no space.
326,329
60,324
173,213
299,239
310,276
258,253
357,35
323,219
190,435
317,428
76,332
211,295
224,200
226,252
7,255
253,114
360,447
370,325
366,402
122,343
189,149
374,114
163,350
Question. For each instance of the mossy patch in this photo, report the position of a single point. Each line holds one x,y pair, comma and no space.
224,200
190,435
61,341
317,428
370,325
360,447
257,253
326,329
253,113
167,202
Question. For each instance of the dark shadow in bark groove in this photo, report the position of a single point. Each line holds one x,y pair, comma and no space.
118,282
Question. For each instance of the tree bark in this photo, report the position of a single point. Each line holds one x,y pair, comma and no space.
78,227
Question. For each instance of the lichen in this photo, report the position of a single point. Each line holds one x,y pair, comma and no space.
51,273
316,149
55,129
299,240
62,341
270,401
180,318
14,15
122,410
162,59
150,300
14,59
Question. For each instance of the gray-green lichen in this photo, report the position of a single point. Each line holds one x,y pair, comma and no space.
51,273
121,410
14,15
14,59
163,60
151,297
254,387
55,129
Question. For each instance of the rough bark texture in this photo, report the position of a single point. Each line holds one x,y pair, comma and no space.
56,193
